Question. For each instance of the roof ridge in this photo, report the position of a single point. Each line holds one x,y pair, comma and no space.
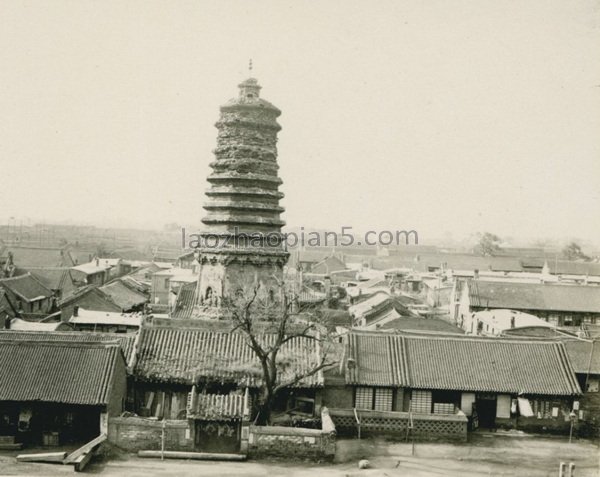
61,344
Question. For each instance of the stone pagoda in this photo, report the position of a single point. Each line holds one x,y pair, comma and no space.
242,244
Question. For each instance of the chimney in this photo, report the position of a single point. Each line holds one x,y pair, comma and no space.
7,321
76,310
97,261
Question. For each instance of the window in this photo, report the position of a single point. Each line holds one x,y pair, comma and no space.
384,399
421,401
378,399
364,398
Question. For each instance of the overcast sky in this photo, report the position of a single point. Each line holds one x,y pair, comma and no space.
440,116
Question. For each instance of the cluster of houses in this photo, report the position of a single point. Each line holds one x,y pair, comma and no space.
419,344
120,355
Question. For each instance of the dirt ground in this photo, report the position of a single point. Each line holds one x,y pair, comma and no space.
483,455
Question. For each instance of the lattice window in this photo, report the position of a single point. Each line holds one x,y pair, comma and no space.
384,399
364,398
420,401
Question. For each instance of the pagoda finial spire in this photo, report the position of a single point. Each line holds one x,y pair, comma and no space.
250,67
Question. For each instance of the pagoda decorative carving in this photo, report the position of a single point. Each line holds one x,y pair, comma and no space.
241,244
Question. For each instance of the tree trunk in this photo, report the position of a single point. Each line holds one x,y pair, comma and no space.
265,407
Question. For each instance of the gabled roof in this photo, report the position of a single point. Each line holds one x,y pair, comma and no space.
40,256
584,357
125,340
26,287
187,299
122,295
460,364
534,296
328,265
177,355
371,303
73,373
307,296
91,294
54,278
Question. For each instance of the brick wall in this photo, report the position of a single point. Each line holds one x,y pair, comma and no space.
136,433
291,442
427,427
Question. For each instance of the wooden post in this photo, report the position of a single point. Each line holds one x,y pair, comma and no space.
162,440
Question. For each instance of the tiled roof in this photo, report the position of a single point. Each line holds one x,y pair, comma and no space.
187,299
26,287
74,373
583,357
452,261
535,296
41,257
370,304
92,317
21,325
125,340
563,267
123,296
376,359
92,297
460,364
421,324
308,295
328,265
54,278
215,407
186,355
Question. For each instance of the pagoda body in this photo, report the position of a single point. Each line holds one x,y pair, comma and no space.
241,244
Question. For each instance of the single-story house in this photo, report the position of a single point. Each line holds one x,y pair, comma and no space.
90,298
105,321
58,393
585,358
558,304
181,366
26,295
124,295
57,279
441,381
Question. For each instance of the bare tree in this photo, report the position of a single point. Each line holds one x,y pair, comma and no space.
289,349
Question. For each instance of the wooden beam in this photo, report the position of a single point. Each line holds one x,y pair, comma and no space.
85,449
190,455
82,461
52,457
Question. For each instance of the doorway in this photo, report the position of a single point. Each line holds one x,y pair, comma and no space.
485,404
218,436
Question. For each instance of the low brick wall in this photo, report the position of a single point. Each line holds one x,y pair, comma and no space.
137,433
290,442
427,427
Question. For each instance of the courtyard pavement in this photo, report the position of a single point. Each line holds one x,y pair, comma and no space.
485,454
